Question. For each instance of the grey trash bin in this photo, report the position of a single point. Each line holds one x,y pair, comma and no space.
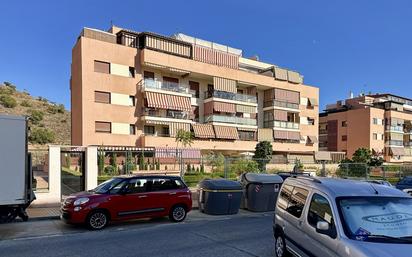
260,191
219,196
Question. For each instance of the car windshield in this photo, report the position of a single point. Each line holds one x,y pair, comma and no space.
376,218
107,185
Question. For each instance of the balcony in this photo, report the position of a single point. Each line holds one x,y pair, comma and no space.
165,85
281,104
231,119
394,142
394,128
280,124
166,114
230,96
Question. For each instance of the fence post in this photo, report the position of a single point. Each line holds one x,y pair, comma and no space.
323,172
366,171
91,167
55,172
225,167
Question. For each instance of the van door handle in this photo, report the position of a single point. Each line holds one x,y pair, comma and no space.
172,193
142,196
300,223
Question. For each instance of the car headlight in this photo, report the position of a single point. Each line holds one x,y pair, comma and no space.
81,201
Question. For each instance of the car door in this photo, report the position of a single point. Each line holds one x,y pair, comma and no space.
132,201
297,201
166,194
319,244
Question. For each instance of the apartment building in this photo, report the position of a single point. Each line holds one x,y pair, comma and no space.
380,122
139,88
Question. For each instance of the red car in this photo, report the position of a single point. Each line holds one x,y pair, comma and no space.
122,198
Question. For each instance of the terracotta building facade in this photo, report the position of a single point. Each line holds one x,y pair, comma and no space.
380,122
138,89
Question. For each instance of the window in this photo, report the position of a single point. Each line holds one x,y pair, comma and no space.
103,127
148,75
149,130
377,121
311,121
297,201
132,101
344,123
319,210
102,97
284,197
136,186
194,88
102,67
160,184
131,72
132,129
165,131
375,136
246,135
344,138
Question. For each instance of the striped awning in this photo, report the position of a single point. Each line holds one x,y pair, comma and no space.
293,135
203,130
265,134
174,127
313,101
313,139
224,132
280,115
247,129
245,108
172,152
280,134
157,122
165,101
223,84
323,156
397,151
224,107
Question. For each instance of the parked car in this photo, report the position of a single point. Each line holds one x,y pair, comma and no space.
122,198
405,185
341,218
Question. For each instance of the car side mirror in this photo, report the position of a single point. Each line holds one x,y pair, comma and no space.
322,227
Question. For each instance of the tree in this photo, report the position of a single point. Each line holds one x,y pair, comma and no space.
185,138
263,154
41,136
113,161
362,155
242,166
8,101
100,161
216,160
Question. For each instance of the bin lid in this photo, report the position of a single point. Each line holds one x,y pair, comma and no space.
220,184
263,178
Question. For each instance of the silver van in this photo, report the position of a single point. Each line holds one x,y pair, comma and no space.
328,217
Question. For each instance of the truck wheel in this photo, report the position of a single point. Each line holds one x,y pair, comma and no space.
177,213
97,220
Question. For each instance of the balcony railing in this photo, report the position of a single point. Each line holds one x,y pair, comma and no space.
230,119
280,124
394,142
394,128
407,144
166,114
165,85
230,96
281,104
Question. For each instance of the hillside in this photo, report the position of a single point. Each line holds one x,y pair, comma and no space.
48,122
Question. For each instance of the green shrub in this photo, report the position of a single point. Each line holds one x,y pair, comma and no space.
41,136
202,168
53,109
8,101
109,170
36,116
25,103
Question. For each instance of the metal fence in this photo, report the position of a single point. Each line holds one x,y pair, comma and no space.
40,168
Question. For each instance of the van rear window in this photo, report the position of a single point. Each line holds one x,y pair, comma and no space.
292,199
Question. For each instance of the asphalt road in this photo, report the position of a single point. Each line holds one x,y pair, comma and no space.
245,234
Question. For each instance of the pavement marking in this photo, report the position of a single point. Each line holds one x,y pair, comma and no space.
36,237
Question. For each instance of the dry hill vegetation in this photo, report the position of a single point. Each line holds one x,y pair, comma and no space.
49,123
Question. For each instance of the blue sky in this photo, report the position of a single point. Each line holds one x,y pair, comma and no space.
338,46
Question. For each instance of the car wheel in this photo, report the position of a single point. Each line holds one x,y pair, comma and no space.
177,213
97,220
280,246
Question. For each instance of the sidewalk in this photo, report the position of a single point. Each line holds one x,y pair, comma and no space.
53,211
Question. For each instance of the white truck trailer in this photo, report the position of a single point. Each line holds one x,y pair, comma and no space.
16,192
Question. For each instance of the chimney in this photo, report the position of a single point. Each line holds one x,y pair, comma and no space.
350,94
